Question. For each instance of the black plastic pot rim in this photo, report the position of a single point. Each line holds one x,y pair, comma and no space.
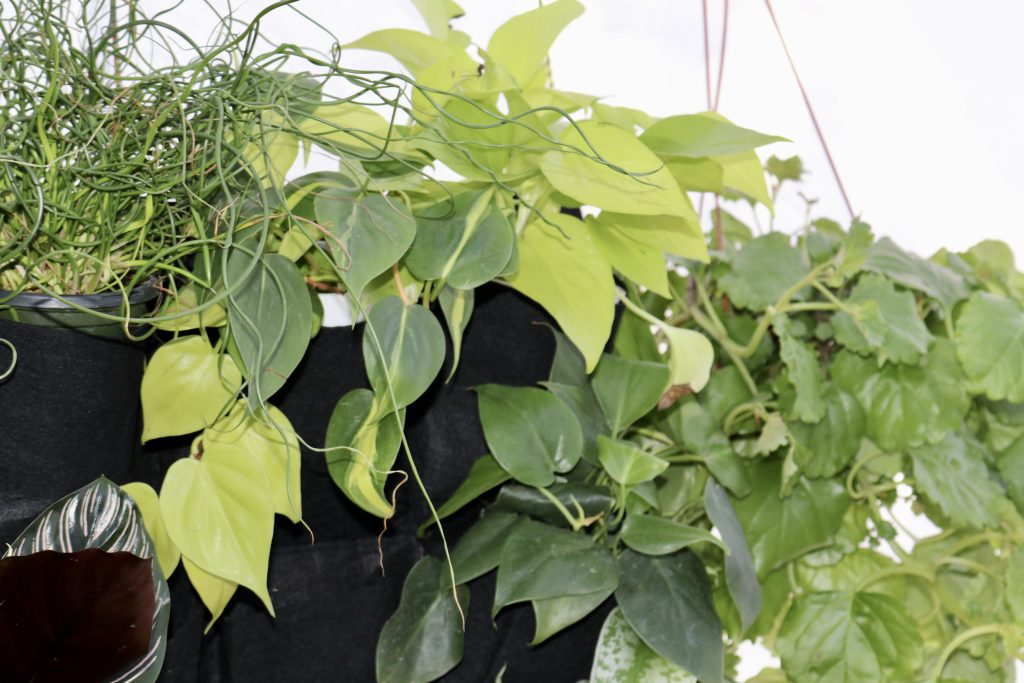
37,300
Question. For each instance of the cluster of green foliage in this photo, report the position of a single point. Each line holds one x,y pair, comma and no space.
855,381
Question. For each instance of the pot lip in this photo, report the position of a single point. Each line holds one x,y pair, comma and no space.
37,300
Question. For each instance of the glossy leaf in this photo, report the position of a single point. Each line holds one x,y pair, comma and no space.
740,574
271,317
628,389
457,307
667,601
146,499
762,271
484,474
214,591
423,639
101,516
273,443
568,367
580,499
702,135
826,448
464,242
521,44
845,637
220,512
367,235
583,403
906,405
888,322
780,529
626,463
185,386
597,171
571,280
621,657
552,615
540,561
479,549
652,535
84,615
952,474
530,432
990,346
403,349
362,444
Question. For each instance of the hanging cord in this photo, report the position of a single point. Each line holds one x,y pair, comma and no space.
714,101
810,110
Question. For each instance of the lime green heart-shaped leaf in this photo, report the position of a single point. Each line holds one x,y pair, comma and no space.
148,502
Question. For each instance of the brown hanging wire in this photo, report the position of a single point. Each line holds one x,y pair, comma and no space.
810,110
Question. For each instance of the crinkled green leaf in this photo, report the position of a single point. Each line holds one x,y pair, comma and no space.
423,639
597,171
219,511
667,601
826,448
571,280
906,405
953,475
886,322
740,574
849,637
185,386
805,376
1011,468
628,389
540,561
780,529
621,657
271,319
910,270
762,271
530,432
990,346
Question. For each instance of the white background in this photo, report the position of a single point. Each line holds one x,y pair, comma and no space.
921,101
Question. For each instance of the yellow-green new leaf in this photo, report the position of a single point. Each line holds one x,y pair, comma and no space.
219,511
437,14
641,263
416,51
522,43
571,280
690,357
350,125
743,172
596,171
167,554
670,234
185,387
272,442
214,591
185,302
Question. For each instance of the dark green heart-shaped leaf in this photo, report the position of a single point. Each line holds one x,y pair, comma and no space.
479,549
628,389
662,536
484,474
403,348
740,574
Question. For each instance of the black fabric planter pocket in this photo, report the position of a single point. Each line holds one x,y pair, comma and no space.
68,413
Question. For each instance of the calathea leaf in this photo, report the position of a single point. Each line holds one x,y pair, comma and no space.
628,389
570,279
185,386
219,511
906,405
847,637
362,443
530,432
539,561
273,443
86,614
403,348
653,535
780,529
367,235
953,475
888,322
667,601
465,241
423,639
762,271
621,657
103,517
990,345
740,574
271,318
457,306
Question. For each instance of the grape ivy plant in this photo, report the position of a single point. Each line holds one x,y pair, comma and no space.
853,383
